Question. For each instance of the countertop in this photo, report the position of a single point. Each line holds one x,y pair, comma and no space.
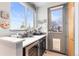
26,41
30,40
11,39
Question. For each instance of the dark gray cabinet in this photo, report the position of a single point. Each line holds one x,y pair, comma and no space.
42,46
35,49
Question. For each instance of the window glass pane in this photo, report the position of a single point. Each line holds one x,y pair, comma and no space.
29,17
16,15
57,20
21,17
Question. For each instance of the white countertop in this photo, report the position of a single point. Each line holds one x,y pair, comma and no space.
30,40
26,41
11,39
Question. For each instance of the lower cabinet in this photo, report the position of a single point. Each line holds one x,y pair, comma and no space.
31,50
35,49
42,46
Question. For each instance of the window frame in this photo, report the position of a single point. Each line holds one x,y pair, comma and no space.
34,16
49,17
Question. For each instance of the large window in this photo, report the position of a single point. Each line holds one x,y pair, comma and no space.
16,16
21,17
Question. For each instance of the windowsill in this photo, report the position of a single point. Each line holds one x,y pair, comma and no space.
16,30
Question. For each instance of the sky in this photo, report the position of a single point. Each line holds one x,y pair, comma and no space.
57,16
18,15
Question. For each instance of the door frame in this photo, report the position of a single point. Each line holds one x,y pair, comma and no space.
50,19
48,25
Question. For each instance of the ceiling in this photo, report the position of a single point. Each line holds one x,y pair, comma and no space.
40,4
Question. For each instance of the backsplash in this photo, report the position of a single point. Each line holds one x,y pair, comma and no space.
43,24
4,32
9,33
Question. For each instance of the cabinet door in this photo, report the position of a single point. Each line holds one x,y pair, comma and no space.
42,45
33,51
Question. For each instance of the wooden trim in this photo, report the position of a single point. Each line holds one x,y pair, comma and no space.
70,13
57,5
58,52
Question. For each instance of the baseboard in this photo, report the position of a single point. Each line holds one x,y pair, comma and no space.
58,52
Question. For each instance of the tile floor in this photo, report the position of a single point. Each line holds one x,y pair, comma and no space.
49,53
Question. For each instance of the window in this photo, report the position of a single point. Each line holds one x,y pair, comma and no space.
29,17
57,19
21,17
16,16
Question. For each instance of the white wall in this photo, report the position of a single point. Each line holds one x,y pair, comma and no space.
76,29
5,6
